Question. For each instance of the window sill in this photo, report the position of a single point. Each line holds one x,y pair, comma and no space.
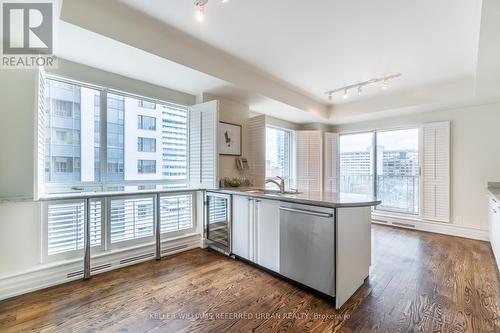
87,195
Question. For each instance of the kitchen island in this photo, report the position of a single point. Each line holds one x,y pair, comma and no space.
320,240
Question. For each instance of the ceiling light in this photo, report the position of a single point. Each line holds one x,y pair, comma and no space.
224,1
200,14
200,9
360,85
385,85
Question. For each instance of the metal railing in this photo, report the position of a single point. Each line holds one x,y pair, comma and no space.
398,193
87,198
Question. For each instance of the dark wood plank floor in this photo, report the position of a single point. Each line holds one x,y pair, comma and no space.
419,282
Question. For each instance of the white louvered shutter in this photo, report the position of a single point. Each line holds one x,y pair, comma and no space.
40,123
203,158
65,227
332,159
309,159
131,219
257,150
436,171
176,213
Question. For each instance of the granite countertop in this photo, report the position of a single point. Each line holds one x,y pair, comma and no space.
323,199
494,189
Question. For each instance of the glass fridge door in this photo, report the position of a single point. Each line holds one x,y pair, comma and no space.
218,219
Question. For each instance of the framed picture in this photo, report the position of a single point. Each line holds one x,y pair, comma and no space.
229,139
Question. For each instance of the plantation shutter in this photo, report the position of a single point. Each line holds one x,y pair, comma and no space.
203,158
40,123
309,160
332,158
176,212
131,219
65,226
436,171
257,150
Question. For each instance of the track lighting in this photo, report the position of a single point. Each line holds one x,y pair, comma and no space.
385,85
359,86
200,8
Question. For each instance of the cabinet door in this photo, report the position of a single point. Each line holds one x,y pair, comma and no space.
495,228
241,227
268,234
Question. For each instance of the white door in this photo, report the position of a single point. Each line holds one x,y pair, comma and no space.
241,228
268,234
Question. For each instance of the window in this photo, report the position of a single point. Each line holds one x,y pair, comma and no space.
72,138
146,123
145,104
356,163
146,145
397,179
146,166
395,162
278,155
65,103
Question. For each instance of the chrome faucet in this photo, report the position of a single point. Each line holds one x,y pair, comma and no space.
281,183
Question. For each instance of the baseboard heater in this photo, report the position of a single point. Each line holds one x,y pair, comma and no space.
174,248
92,269
404,225
397,224
144,256
379,221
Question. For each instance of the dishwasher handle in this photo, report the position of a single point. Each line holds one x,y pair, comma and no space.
307,212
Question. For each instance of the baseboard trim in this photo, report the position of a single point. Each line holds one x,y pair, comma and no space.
52,275
430,226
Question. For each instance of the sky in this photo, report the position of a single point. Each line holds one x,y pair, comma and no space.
391,140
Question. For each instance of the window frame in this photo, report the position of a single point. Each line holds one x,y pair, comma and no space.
374,132
103,182
290,183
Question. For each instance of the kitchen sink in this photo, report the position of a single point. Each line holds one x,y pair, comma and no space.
271,192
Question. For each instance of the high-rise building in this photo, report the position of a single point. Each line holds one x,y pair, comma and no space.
145,140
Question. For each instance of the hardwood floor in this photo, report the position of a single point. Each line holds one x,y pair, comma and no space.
419,282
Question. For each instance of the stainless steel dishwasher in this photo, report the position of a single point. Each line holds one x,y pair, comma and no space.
307,246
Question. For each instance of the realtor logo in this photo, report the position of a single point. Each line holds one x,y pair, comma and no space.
27,29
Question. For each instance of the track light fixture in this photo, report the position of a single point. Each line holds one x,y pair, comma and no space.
359,86
200,9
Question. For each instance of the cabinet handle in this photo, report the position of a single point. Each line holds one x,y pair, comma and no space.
494,210
494,200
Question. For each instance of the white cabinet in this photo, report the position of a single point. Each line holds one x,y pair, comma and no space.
268,234
241,226
494,207
255,230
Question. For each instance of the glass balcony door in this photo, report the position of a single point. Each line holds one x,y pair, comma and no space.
397,169
357,167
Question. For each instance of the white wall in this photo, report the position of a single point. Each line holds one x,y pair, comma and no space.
475,155
235,113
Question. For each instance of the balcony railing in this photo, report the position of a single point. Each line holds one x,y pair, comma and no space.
398,193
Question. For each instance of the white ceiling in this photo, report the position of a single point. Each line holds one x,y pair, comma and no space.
80,45
325,44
